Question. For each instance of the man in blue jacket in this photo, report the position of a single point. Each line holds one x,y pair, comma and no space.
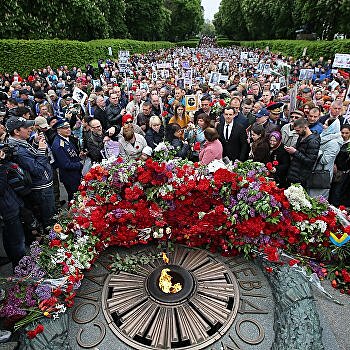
67,158
36,162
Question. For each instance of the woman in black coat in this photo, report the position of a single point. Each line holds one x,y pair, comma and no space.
155,133
279,154
175,138
260,151
340,189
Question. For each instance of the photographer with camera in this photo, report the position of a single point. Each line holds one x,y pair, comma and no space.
37,164
10,208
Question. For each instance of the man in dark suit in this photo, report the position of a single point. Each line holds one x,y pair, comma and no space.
233,137
100,112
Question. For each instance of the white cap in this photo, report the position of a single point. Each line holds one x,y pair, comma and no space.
147,150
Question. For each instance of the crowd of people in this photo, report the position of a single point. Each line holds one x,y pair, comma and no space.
57,122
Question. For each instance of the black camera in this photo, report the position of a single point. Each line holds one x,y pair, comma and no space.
9,150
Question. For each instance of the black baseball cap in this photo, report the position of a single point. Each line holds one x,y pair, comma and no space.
14,123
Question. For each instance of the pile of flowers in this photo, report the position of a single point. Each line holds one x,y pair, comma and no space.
234,210
218,105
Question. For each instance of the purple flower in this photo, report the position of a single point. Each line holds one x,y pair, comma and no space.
13,303
77,285
27,267
30,301
322,200
243,194
35,250
118,213
170,166
78,233
251,173
52,234
43,291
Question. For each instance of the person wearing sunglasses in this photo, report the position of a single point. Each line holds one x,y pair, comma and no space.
289,135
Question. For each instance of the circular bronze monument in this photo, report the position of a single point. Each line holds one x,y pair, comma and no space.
145,317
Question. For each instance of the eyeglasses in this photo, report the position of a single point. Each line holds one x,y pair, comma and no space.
156,124
96,127
128,122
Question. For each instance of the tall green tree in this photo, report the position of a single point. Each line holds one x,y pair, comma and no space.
208,28
146,20
187,17
270,19
283,24
229,21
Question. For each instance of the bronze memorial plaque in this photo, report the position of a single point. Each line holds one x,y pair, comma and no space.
221,303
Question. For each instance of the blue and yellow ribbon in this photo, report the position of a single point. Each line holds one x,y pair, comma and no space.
345,238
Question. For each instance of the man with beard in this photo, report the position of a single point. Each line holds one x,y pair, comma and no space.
131,143
143,118
304,154
205,108
94,141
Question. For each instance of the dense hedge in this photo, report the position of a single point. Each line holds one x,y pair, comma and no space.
221,43
188,43
295,48
24,55
227,43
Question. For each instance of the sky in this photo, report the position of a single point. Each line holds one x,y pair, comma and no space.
210,8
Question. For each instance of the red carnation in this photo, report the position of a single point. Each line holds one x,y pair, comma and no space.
55,243
197,146
293,262
346,276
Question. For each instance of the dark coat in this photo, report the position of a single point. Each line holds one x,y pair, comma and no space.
154,138
101,115
94,144
35,162
261,151
237,145
10,204
283,158
181,147
113,113
304,159
67,160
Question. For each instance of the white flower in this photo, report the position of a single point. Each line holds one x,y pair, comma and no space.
161,147
62,236
157,235
321,225
215,165
296,197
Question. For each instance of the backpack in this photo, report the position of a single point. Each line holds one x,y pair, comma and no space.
19,179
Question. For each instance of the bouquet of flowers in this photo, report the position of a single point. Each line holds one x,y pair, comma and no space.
218,105
234,210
